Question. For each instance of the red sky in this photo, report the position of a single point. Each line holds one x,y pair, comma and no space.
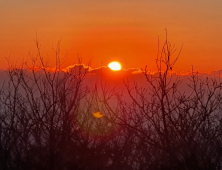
113,30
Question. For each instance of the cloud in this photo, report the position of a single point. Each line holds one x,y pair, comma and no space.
77,68
105,74
216,73
106,71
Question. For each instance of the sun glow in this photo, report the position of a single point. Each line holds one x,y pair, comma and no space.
115,66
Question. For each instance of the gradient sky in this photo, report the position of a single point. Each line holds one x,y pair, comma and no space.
123,30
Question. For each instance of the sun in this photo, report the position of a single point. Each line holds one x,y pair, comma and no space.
115,66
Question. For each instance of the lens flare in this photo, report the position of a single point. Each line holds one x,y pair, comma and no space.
97,114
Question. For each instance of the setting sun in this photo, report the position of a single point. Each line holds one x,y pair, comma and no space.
115,66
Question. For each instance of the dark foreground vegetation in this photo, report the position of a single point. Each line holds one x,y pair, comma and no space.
46,121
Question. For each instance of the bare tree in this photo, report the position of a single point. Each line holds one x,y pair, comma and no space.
173,129
51,119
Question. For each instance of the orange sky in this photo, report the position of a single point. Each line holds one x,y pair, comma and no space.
124,30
